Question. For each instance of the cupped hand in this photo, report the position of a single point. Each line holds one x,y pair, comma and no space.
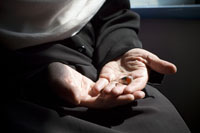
73,87
135,63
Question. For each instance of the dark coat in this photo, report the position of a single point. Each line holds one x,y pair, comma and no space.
31,107
111,33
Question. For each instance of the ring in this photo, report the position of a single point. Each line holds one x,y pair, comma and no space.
126,80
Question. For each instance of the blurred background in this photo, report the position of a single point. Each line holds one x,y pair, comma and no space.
171,30
140,3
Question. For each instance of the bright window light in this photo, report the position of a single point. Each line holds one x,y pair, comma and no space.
146,3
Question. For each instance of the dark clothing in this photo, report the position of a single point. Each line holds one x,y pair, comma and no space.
34,108
153,114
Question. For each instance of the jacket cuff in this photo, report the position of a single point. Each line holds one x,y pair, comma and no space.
115,45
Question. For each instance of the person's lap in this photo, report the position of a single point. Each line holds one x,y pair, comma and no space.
154,113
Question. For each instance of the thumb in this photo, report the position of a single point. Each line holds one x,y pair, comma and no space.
160,65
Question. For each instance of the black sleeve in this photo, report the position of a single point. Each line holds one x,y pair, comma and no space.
116,28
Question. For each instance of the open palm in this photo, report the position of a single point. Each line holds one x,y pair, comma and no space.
136,63
71,86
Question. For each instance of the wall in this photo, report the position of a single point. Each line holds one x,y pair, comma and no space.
178,41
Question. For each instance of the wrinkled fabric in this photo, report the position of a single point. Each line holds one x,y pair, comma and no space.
33,108
26,23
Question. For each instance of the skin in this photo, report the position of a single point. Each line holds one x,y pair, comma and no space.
107,92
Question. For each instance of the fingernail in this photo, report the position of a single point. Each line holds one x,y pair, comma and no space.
101,83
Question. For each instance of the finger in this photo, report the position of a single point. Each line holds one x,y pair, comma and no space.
124,99
139,94
100,84
160,65
109,101
109,88
136,85
151,60
118,89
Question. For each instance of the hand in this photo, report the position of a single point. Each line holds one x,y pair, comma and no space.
136,63
73,87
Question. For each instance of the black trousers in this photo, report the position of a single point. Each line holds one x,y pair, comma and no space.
34,109
153,114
